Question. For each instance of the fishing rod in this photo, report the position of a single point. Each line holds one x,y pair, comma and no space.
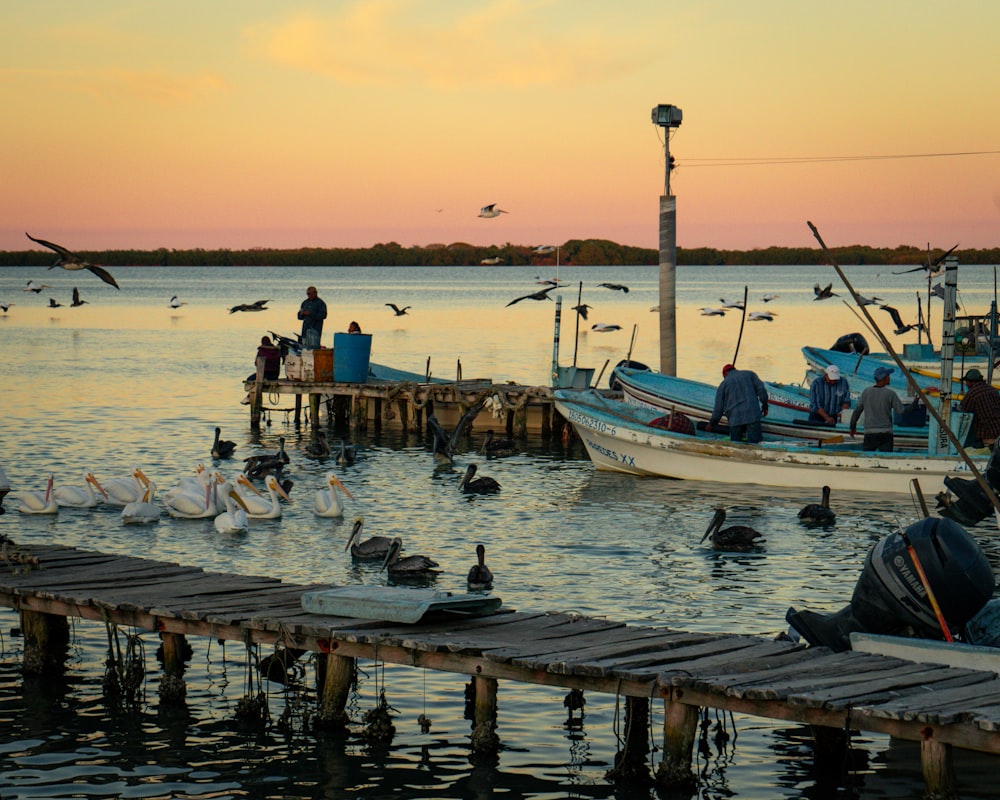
909,378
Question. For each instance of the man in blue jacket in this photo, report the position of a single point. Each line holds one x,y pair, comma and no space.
742,399
312,312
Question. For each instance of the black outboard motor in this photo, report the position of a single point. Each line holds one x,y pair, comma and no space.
889,597
971,504
613,383
851,343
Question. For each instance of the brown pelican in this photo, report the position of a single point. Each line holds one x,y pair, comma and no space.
348,453
480,576
53,303
72,261
39,502
327,502
319,448
541,294
399,311
222,448
490,211
482,485
496,447
825,293
82,496
259,305
582,310
735,537
615,287
407,566
821,512
77,302
371,549
604,327
931,267
264,464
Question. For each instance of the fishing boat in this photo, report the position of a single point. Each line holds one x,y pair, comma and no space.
788,410
618,437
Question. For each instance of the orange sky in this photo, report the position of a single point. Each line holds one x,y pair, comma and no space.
243,123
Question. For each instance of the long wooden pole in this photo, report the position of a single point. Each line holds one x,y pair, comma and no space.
913,384
746,291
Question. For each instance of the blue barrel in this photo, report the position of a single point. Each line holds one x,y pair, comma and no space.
351,355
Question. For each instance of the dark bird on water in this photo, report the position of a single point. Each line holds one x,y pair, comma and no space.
77,302
739,538
616,287
347,454
482,485
818,513
318,447
71,261
263,464
54,304
541,294
220,447
496,447
825,293
480,576
371,549
408,566
399,311
259,305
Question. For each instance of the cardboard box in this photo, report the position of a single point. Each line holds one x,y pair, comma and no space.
323,363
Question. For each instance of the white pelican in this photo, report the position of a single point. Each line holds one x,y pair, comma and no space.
603,327
328,502
176,302
142,511
81,496
257,506
234,518
71,261
121,491
490,211
34,286
712,312
408,566
39,502
731,303
190,483
758,316
767,298
194,504
4,489
6,305
372,548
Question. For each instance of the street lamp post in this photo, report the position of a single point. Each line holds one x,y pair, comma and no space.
668,117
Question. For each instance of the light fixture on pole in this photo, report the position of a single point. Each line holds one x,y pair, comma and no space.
667,117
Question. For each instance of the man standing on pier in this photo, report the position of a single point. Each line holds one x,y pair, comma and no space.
312,312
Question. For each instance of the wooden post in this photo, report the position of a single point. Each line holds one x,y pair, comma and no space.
360,415
630,761
172,686
46,642
298,410
938,767
404,414
257,395
338,677
680,725
484,722
521,420
314,411
378,414
547,420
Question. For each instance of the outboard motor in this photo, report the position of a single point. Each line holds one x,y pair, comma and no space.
970,504
889,597
613,384
851,343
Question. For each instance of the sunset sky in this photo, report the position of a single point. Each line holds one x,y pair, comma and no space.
253,123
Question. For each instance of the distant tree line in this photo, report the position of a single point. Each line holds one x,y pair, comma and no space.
578,252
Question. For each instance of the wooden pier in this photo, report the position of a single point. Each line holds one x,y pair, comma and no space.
941,707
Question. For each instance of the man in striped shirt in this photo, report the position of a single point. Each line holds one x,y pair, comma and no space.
829,394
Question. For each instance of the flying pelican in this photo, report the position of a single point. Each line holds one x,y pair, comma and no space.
739,538
371,549
259,305
480,576
931,267
825,293
53,303
496,447
444,445
603,327
407,566
6,305
77,302
80,496
142,511
234,519
121,491
222,448
937,290
490,211
712,312
318,448
39,502
767,298
491,262
258,506
766,316
731,303
616,287
901,328
176,302
399,311
820,512
72,261
544,249
582,309
34,286
327,502
541,294
869,301
481,485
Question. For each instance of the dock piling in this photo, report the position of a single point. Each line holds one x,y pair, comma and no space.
485,740
680,725
338,677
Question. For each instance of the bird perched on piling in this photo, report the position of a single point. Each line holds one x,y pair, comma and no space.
222,448
482,485
818,513
408,566
738,538
480,577
370,549
71,261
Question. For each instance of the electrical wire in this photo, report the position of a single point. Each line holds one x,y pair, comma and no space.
772,160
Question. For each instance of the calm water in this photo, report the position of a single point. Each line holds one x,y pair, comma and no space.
126,380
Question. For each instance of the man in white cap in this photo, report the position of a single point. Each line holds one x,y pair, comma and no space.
877,402
829,395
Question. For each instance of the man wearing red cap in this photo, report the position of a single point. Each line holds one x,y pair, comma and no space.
742,399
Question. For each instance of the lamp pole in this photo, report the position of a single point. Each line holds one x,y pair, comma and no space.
667,117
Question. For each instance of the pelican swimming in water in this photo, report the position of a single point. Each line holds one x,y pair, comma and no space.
258,506
739,538
819,513
496,447
234,519
327,502
480,576
371,549
318,448
264,464
121,491
82,496
144,511
39,502
408,566
348,453
71,261
222,448
481,485
195,503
